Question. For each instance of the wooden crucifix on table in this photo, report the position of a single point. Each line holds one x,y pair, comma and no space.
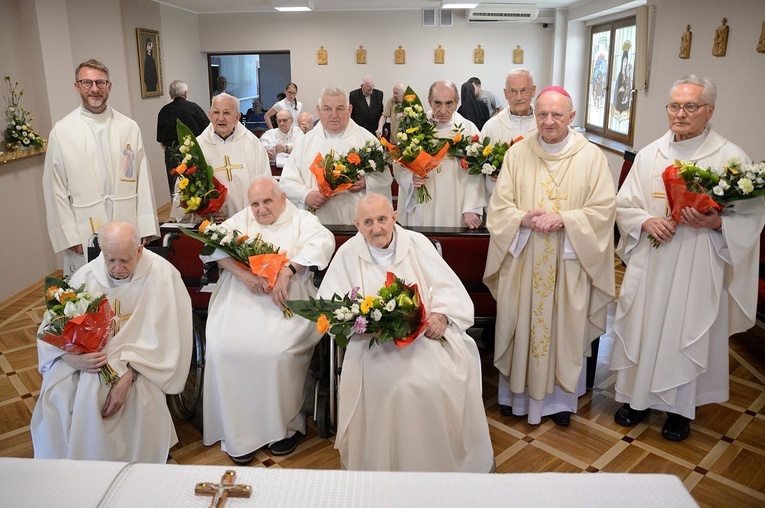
223,490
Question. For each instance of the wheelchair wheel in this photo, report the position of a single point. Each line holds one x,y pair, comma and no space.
323,420
183,406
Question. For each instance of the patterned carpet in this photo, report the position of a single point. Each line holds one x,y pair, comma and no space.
721,464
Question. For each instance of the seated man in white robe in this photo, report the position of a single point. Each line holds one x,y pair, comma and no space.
79,417
335,131
416,408
279,142
257,360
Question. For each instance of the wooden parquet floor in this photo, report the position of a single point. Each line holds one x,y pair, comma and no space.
721,464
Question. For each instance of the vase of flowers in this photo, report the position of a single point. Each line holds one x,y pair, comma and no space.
19,135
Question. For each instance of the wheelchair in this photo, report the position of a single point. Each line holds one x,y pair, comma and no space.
184,405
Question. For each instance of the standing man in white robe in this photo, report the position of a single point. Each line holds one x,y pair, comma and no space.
95,171
518,121
335,131
79,417
416,408
256,360
679,303
235,153
551,262
458,198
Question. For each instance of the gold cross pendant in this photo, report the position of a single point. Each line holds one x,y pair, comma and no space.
223,490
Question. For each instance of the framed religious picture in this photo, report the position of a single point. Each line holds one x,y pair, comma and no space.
149,62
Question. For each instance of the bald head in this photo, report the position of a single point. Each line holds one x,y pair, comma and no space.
375,219
121,248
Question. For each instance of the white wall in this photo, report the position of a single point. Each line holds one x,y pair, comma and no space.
740,109
380,33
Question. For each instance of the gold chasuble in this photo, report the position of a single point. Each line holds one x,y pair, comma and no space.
552,289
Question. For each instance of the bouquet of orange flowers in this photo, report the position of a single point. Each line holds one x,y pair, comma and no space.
200,191
419,149
253,253
337,173
394,314
77,321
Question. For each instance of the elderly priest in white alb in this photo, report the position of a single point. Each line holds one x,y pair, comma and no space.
79,417
419,407
235,153
257,360
335,131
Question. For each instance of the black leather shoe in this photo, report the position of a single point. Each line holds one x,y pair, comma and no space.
676,428
286,446
243,460
505,410
563,418
628,417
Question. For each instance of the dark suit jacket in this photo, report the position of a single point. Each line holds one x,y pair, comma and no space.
366,116
188,112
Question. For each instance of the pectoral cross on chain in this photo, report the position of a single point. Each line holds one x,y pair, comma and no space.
228,167
223,490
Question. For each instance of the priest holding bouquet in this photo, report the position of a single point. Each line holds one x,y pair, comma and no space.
690,283
336,133
257,359
77,415
411,405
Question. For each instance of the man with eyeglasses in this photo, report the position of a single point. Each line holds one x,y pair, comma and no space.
551,260
95,171
518,121
236,154
279,142
680,301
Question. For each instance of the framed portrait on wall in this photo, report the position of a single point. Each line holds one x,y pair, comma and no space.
149,62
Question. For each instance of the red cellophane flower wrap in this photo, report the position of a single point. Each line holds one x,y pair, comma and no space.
679,196
418,319
319,168
87,333
268,266
214,205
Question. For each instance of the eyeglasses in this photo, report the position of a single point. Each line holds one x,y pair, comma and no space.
689,108
87,83
555,116
522,91
283,120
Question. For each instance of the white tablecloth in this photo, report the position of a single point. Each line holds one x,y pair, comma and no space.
83,484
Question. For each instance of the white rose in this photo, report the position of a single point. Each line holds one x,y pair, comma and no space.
718,190
724,185
74,309
376,315
390,305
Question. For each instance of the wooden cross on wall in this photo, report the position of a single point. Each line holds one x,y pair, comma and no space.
223,490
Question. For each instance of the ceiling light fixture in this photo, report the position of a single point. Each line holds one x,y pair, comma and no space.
292,5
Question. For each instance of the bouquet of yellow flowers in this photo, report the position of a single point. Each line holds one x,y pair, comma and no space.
200,191
394,314
337,173
419,149
77,321
19,134
485,158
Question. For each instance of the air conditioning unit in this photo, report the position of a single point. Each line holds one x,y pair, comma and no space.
488,12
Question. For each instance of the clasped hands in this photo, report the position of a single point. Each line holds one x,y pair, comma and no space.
542,221
663,229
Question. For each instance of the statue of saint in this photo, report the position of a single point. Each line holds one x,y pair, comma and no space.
685,43
721,39
361,55
400,55
518,55
322,56
761,44
478,55
440,54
